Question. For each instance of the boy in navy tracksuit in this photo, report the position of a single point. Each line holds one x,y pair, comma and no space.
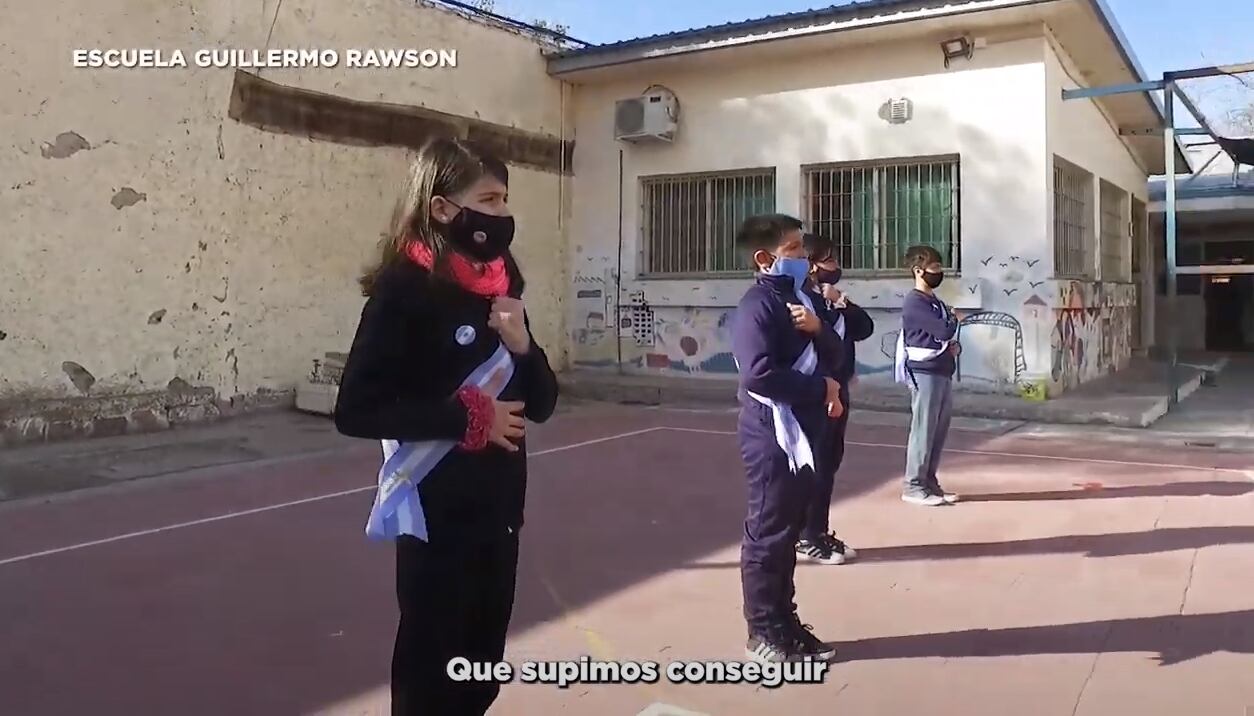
926,359
786,403
850,323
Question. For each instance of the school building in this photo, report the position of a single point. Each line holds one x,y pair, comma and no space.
1215,227
230,211
883,124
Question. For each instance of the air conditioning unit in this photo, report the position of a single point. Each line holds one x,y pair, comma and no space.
651,117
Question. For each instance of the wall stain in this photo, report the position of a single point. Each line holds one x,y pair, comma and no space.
79,376
233,360
67,144
127,196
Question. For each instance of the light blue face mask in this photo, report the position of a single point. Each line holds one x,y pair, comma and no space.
798,269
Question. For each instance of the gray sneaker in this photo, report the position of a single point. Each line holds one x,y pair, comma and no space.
924,499
949,497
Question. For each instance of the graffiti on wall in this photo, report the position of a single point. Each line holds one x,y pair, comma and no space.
1092,331
593,307
592,319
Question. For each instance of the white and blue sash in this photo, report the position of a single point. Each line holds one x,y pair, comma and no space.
914,354
788,433
397,509
839,325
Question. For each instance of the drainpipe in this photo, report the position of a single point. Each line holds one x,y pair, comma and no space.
618,272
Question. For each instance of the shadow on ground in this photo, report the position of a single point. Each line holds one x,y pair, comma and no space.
1174,639
293,611
1097,491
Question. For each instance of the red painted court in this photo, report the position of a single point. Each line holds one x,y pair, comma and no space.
1076,579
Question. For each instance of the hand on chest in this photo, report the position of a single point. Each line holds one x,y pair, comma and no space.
478,325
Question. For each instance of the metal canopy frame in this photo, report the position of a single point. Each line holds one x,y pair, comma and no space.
1168,85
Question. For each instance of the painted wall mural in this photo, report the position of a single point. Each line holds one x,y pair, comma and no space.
694,340
1092,331
1002,347
1024,333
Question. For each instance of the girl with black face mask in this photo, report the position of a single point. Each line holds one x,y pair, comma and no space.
852,324
444,372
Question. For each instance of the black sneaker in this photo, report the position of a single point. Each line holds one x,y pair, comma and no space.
826,549
810,645
773,650
839,547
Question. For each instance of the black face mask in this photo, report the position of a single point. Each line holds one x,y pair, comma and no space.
933,279
825,276
483,237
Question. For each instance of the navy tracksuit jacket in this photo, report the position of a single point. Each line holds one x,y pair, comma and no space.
765,344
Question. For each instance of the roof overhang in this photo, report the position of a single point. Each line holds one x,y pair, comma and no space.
1220,203
1086,29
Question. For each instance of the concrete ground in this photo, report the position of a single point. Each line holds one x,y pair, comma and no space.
1135,397
1217,414
1080,576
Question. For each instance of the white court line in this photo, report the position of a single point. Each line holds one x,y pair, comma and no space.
1096,461
281,505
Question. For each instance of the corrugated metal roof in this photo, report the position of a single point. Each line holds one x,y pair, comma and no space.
1204,187
826,14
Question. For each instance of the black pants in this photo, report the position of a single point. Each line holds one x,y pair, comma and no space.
777,508
830,455
455,599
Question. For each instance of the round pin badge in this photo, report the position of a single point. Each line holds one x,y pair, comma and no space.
465,335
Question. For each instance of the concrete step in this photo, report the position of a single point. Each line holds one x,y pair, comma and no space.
1111,403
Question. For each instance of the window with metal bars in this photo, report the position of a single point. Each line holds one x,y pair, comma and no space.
688,222
1140,234
1116,241
875,211
1073,221
1140,231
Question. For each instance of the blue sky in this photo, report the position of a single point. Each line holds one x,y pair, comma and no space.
1164,34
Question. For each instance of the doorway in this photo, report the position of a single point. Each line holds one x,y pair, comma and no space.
1229,298
1229,313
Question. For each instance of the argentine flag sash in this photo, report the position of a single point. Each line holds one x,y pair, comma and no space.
839,325
911,353
397,509
788,433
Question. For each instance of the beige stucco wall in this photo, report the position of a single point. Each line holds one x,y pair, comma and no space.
249,242
1090,326
815,109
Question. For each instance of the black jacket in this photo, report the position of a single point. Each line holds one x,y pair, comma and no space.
405,365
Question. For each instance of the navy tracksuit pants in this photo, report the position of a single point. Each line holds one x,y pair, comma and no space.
828,461
778,500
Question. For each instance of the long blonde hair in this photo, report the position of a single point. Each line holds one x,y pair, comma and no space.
443,167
